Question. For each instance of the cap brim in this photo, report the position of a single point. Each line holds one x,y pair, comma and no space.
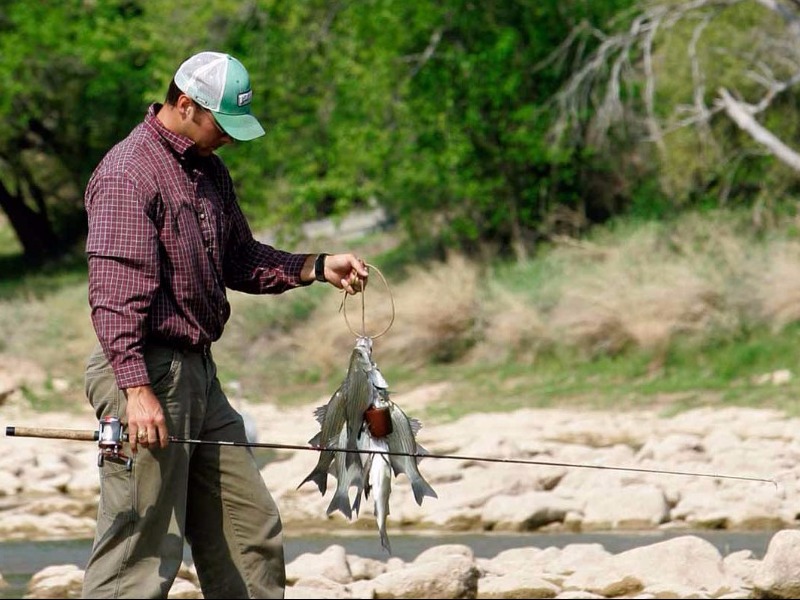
240,127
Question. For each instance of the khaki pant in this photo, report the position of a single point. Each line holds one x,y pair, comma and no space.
212,496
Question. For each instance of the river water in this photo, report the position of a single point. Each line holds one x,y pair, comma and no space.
19,560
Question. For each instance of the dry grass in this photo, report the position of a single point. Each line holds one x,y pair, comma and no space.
44,343
635,296
638,289
776,285
431,316
641,288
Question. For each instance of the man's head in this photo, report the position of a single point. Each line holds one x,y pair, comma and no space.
220,84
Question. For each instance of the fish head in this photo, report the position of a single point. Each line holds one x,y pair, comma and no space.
361,357
364,345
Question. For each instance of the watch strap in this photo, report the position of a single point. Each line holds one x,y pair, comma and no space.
319,267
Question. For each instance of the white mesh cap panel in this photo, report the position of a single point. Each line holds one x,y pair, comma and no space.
203,78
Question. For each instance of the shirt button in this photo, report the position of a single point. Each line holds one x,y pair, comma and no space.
202,215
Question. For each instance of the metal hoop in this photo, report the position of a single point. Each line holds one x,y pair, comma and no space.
363,308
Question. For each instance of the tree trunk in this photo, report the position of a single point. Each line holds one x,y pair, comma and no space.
33,229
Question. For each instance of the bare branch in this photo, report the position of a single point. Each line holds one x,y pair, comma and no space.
742,115
616,51
557,56
595,88
787,12
650,88
429,51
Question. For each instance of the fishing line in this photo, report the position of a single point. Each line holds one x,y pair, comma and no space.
519,461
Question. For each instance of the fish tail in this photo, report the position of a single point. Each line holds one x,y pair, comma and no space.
357,503
385,539
318,477
421,489
341,503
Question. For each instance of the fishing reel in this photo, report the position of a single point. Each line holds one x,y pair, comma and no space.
109,440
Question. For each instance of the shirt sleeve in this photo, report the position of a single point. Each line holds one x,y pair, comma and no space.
253,267
123,255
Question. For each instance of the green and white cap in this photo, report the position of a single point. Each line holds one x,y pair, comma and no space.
221,84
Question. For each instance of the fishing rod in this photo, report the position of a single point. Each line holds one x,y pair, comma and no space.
110,438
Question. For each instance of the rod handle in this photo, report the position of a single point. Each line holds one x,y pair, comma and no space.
41,432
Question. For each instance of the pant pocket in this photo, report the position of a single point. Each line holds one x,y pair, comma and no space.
116,499
101,386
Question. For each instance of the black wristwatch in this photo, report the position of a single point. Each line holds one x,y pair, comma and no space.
319,267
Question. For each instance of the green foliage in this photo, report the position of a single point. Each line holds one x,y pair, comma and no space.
720,163
474,163
432,110
20,281
705,160
441,113
72,75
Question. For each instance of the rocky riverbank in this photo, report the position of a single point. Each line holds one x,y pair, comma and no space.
721,468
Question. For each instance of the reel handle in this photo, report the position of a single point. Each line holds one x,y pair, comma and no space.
43,432
109,438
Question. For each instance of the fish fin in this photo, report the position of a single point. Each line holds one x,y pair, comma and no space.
357,480
416,425
377,379
330,443
396,465
422,488
351,459
356,476
366,469
320,412
420,452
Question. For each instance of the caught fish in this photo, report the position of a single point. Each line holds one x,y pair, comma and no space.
348,474
345,408
402,440
378,479
331,418
364,439
359,388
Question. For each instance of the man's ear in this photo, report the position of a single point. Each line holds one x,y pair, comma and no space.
185,105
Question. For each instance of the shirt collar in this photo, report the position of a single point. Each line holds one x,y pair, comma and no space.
180,144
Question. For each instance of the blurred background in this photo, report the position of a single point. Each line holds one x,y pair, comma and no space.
563,201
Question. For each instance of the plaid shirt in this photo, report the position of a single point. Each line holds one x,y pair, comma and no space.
166,237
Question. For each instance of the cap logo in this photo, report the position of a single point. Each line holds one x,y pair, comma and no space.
244,98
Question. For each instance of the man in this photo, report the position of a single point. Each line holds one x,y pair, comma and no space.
166,238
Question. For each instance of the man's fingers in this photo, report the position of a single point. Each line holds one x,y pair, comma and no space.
144,437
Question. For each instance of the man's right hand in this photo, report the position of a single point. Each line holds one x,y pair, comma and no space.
146,423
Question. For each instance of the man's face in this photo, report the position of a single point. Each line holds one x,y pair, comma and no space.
206,133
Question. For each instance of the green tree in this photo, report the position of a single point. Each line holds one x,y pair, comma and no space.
437,112
72,74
